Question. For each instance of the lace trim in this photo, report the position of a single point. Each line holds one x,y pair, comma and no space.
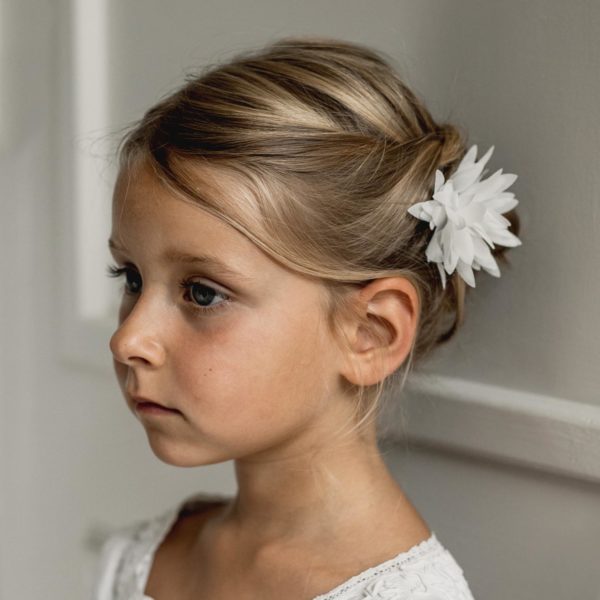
431,546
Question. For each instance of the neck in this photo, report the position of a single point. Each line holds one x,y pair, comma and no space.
312,488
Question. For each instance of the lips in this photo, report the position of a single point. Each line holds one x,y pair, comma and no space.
142,402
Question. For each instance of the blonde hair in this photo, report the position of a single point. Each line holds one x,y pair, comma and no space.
332,147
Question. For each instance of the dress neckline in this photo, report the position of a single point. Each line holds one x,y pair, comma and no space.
168,519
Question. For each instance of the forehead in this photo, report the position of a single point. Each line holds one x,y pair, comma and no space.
138,190
148,215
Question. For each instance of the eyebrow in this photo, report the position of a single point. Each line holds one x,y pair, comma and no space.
172,255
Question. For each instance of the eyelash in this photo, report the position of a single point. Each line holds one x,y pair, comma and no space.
186,284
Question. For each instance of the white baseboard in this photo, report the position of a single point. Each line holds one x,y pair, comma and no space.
509,425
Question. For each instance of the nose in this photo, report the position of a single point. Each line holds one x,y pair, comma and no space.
136,339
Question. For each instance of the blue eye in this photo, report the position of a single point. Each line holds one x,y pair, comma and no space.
200,293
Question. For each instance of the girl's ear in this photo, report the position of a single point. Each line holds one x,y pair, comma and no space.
381,337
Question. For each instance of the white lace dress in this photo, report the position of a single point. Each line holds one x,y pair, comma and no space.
427,571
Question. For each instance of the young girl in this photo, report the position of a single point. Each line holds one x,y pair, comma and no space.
294,232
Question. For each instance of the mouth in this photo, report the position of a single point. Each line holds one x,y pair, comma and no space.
142,405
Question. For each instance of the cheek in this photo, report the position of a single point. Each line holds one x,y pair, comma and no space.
251,371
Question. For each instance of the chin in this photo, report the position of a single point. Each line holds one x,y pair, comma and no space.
182,455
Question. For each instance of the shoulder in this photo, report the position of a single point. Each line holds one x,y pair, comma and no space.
427,571
126,554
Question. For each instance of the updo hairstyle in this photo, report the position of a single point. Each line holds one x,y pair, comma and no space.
332,148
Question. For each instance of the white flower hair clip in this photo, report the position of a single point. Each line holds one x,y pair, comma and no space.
466,212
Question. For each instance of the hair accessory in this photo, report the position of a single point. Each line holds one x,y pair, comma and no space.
465,212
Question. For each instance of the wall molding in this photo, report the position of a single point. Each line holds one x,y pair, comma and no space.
512,426
86,178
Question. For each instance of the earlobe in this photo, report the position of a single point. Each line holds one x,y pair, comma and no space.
381,339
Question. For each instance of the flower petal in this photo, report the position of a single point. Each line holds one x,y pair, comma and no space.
434,250
445,195
485,259
469,157
442,274
466,273
463,244
456,218
421,210
502,202
474,212
448,248
493,185
438,215
439,180
479,230
468,172
493,221
506,238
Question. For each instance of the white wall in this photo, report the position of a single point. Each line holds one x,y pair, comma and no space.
507,472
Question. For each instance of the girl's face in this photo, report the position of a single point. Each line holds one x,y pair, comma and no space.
232,340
